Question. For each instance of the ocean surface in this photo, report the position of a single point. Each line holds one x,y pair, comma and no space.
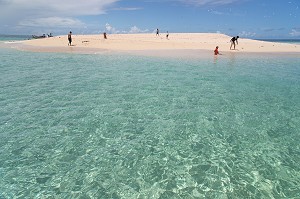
4,38
291,41
126,127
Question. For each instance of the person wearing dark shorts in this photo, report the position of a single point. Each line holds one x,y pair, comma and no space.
233,40
70,38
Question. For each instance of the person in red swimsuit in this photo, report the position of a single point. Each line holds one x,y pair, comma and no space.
217,51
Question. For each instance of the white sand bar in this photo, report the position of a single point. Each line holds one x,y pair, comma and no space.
151,42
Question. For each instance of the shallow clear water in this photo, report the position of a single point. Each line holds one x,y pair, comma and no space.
291,41
14,37
116,126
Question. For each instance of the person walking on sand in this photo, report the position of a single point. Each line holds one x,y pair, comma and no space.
167,36
70,38
233,40
157,32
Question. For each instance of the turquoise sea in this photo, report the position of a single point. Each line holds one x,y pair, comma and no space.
4,38
291,41
125,127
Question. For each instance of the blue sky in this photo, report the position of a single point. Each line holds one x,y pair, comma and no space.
247,18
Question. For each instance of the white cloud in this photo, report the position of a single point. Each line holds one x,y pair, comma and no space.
55,7
295,33
36,14
216,12
127,9
110,29
135,29
52,22
247,34
203,2
209,2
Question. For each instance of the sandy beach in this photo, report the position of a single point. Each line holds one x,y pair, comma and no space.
137,43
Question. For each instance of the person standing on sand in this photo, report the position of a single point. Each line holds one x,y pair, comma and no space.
233,40
167,36
70,39
157,32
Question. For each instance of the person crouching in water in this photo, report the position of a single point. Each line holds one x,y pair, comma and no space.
233,40
216,51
